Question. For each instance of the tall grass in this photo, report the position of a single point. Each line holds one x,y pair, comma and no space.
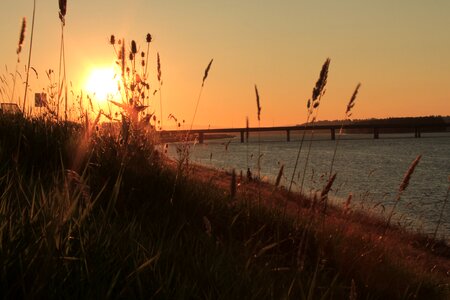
444,204
317,94
311,105
62,80
404,184
159,76
29,57
108,229
18,51
258,110
348,114
183,152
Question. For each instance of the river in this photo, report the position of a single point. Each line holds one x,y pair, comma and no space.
370,169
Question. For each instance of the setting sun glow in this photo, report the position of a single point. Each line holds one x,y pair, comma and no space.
102,85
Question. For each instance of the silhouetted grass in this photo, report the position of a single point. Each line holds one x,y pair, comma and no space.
109,229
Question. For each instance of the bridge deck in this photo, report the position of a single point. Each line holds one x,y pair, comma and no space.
375,128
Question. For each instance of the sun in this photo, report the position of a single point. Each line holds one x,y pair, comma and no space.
102,84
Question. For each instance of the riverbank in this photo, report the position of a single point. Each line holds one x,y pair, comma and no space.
395,244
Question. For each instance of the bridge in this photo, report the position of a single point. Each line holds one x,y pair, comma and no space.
376,129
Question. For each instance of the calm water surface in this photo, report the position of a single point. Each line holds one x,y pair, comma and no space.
371,170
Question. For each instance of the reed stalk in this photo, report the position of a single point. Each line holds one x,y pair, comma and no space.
404,184
184,151
29,57
233,185
158,61
311,105
348,114
258,106
442,210
205,76
247,130
62,60
19,50
317,94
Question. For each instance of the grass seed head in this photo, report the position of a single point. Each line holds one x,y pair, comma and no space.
258,106
148,38
133,47
123,55
62,10
322,81
22,35
327,188
112,40
351,103
407,177
207,71
158,66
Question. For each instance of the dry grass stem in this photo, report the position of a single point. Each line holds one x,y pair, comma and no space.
442,210
29,56
233,185
402,188
348,114
311,106
327,188
279,176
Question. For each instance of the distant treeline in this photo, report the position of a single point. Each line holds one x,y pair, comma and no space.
387,122
438,120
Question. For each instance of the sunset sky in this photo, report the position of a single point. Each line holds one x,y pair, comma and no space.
398,50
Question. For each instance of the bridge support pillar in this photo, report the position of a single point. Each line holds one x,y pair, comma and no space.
201,137
376,133
288,135
333,134
417,132
242,136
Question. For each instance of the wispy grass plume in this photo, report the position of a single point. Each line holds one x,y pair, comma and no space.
348,113
258,105
404,184
206,72
311,106
29,56
18,51
205,75
184,151
21,37
317,94
351,103
159,76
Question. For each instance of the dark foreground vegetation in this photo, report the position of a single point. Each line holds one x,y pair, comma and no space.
85,214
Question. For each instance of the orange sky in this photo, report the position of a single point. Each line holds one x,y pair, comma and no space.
397,50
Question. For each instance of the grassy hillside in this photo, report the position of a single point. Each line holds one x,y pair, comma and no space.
85,214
